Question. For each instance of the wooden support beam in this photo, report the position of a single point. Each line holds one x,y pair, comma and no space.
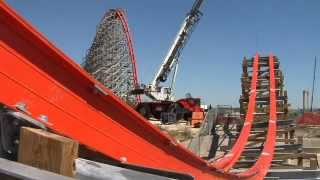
283,156
291,136
286,138
311,149
277,140
47,151
314,163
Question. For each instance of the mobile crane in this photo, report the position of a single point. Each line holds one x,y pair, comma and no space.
162,97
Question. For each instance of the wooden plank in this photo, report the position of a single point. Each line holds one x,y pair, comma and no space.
277,140
311,149
314,163
47,151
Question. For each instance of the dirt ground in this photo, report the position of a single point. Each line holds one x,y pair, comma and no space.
311,138
181,131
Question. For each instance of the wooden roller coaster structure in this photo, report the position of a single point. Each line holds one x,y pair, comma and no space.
111,59
48,88
287,146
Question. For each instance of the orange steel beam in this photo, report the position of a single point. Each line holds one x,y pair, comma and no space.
260,168
58,93
228,161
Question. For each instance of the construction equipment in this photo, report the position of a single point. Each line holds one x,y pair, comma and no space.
163,97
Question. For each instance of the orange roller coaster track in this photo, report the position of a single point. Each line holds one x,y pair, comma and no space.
33,72
228,161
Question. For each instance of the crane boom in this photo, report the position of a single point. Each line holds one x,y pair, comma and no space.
154,90
180,41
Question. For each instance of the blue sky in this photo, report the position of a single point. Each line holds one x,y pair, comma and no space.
211,62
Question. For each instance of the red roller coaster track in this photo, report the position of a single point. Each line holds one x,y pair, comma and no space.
125,25
260,168
48,83
232,157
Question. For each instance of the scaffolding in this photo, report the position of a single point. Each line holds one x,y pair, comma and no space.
110,58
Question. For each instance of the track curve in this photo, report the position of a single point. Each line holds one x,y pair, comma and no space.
260,168
228,161
125,24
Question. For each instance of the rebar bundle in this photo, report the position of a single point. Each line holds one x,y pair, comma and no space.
110,58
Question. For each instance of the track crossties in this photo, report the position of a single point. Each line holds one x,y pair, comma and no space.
260,164
262,99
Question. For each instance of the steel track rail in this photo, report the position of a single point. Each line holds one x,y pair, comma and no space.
260,168
229,160
263,163
125,25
